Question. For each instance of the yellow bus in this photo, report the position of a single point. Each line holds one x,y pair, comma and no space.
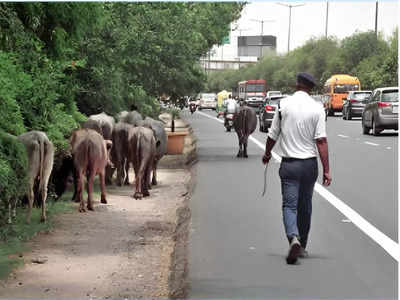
336,89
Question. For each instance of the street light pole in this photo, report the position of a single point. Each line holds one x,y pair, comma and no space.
326,22
262,31
376,19
290,17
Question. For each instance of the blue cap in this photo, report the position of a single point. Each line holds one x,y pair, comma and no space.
306,79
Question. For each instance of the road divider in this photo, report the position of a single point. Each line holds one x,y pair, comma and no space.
390,246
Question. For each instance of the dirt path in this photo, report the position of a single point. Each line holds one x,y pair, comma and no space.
122,250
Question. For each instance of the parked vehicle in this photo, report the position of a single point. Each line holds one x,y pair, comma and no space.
267,112
353,106
381,110
337,87
208,101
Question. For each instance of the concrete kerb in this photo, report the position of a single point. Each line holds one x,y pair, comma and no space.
178,274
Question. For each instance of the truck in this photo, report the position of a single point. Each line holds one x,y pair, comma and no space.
252,92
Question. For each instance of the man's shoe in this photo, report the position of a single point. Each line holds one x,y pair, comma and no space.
294,251
303,253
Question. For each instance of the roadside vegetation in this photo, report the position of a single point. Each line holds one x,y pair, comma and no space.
61,62
372,59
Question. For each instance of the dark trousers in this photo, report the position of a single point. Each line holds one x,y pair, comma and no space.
298,177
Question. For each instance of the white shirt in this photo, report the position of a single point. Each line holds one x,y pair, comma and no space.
231,105
303,121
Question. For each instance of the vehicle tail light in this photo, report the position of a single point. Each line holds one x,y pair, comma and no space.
384,104
353,100
269,108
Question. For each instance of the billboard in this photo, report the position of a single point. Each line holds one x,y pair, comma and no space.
256,45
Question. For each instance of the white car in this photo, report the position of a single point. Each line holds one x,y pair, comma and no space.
208,101
273,93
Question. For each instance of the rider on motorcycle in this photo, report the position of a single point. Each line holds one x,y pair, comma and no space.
231,107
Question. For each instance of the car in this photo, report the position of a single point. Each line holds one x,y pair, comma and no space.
273,93
381,110
267,111
353,105
255,102
208,101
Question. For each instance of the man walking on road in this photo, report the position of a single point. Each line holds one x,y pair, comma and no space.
300,123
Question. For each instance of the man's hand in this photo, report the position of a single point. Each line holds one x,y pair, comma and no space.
266,158
327,179
268,148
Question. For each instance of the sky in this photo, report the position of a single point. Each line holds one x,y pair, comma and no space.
307,21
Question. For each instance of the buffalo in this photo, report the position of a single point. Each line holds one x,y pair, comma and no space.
245,122
90,154
40,151
161,139
104,124
133,117
141,147
119,151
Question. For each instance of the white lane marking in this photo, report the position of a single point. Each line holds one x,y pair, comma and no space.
346,221
375,234
388,148
342,136
372,144
211,117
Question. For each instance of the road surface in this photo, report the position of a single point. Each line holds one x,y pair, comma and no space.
238,245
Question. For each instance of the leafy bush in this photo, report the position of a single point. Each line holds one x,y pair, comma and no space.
13,83
13,170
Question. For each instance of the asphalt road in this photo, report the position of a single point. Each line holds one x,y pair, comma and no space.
238,245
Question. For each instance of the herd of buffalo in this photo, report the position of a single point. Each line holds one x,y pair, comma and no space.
100,147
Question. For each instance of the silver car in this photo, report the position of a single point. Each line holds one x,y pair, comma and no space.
353,105
381,110
267,112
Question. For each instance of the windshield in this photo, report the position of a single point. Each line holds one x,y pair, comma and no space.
390,96
209,96
344,88
255,88
274,93
360,96
255,97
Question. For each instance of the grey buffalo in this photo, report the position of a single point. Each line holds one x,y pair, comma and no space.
142,147
133,117
119,152
161,143
103,124
245,122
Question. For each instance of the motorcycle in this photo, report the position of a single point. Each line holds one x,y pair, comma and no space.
192,107
228,122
